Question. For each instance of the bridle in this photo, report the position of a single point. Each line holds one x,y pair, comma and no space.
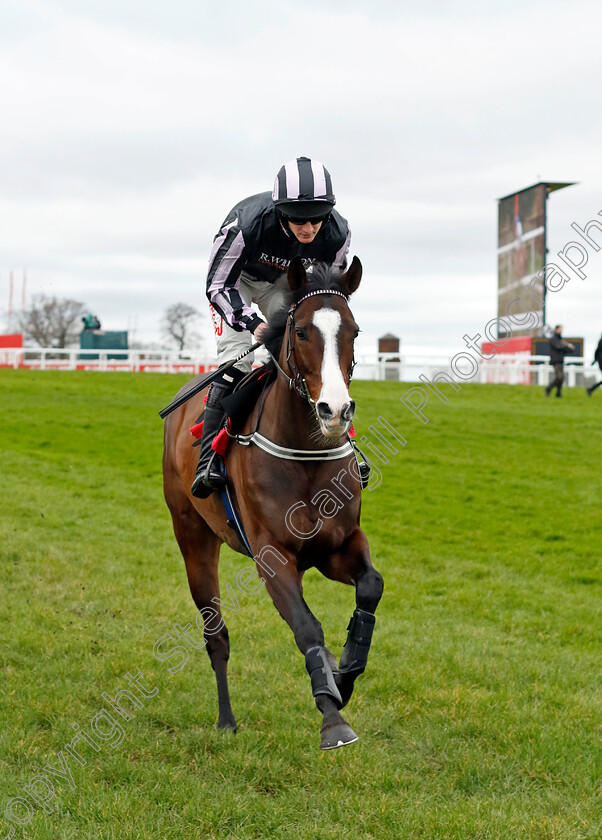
298,384
297,381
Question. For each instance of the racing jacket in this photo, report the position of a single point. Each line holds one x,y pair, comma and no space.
252,244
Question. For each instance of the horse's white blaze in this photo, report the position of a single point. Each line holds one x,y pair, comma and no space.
334,391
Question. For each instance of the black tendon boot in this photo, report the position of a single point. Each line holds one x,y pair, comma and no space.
208,476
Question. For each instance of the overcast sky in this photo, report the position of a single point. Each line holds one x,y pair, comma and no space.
130,128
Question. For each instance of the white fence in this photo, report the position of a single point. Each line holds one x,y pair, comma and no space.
504,369
510,369
149,361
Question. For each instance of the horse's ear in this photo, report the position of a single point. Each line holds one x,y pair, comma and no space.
297,278
351,279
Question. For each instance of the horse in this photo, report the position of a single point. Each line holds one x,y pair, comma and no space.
295,483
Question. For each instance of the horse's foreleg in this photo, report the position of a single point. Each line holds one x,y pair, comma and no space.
284,588
352,565
200,549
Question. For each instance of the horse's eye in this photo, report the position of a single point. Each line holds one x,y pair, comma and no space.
301,334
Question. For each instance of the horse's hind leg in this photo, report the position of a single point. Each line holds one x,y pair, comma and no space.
200,549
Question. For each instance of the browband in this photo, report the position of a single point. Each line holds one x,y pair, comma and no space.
317,292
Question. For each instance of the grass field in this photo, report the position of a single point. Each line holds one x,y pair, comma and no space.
479,715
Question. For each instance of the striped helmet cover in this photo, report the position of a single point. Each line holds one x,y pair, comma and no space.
303,179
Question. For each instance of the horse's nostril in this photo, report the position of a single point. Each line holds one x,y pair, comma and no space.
348,411
324,410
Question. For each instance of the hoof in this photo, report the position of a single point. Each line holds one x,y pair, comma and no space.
335,736
227,725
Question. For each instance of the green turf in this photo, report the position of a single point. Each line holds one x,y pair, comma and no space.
479,714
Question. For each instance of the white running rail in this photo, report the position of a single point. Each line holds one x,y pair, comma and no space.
515,369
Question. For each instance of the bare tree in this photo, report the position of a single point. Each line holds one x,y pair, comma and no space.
51,321
179,325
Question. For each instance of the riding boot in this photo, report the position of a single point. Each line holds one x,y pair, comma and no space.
208,476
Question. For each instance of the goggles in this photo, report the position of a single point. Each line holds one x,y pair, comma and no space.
294,220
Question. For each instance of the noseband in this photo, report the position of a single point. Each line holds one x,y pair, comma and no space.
297,381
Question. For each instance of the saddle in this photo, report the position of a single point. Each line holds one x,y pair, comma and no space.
239,404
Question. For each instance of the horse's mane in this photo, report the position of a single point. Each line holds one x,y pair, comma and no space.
320,277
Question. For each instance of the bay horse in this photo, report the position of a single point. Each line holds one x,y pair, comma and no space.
294,479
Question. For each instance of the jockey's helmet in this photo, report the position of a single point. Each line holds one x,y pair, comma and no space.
303,191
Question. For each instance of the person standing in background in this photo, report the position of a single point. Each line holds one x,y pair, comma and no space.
558,350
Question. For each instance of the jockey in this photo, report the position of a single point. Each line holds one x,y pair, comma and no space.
253,250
